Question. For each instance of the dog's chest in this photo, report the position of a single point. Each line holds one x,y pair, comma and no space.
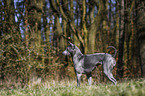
78,65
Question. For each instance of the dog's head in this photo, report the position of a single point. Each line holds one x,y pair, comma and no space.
70,50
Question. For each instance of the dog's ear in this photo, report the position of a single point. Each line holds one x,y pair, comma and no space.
69,42
72,45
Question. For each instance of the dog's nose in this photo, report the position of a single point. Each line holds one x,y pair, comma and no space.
64,53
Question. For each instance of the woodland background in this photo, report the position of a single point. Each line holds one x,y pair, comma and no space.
34,33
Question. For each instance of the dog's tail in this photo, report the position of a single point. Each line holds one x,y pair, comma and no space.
115,51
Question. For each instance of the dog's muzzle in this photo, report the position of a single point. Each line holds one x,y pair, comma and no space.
66,53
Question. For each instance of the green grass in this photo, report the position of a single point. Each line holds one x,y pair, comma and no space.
68,88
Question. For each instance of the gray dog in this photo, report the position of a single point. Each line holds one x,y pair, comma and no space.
84,64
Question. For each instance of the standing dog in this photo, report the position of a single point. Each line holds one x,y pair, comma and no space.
84,64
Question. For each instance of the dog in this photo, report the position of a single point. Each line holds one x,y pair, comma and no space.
85,64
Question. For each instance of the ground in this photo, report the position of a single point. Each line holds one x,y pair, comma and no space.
69,88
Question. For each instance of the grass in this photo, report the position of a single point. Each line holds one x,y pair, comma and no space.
68,88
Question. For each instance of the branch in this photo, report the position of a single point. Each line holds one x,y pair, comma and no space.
61,10
53,5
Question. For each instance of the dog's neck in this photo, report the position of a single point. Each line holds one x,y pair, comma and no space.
77,56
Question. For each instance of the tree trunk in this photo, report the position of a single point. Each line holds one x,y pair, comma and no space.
84,27
93,29
9,15
121,40
26,23
9,26
140,26
75,40
59,34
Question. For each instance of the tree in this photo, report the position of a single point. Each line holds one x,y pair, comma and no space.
140,27
121,40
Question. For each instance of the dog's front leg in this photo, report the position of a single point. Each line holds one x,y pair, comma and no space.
78,79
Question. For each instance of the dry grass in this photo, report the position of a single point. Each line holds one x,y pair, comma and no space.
68,88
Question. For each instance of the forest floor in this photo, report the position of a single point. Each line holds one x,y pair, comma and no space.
69,88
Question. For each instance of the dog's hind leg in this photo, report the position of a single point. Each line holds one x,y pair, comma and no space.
114,80
89,77
109,74
110,77
78,79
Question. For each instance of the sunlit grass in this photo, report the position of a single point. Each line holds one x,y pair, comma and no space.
68,88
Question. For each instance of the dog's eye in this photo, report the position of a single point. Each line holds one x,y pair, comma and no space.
73,47
67,48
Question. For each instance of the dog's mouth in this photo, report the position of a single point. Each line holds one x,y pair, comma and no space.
66,53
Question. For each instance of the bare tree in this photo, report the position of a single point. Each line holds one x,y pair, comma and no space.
140,27
121,40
